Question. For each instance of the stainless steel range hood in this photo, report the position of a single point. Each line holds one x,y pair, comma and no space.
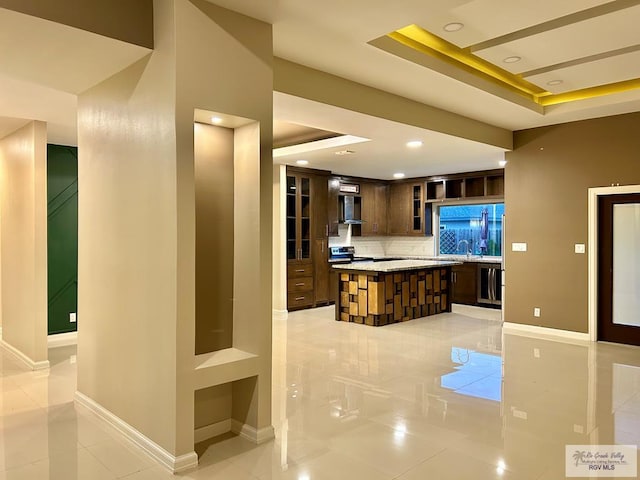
351,215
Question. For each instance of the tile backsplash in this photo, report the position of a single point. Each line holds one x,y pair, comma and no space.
374,246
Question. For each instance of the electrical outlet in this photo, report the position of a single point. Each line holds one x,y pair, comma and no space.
72,359
72,317
579,248
536,352
536,312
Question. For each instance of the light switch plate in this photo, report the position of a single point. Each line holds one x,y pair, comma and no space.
72,317
519,247
579,248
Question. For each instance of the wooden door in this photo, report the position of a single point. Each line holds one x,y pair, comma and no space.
399,208
381,207
321,270
619,268
368,199
464,284
319,192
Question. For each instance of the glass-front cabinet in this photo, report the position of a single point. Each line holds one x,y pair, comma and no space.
298,218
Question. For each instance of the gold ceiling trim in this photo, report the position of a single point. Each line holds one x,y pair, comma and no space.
590,92
427,43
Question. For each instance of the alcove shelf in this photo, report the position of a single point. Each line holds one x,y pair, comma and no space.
224,366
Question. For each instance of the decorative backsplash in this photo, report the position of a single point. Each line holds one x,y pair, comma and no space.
378,246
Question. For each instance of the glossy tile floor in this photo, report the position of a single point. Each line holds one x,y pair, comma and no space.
445,397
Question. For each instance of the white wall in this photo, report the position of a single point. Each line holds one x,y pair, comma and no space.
23,231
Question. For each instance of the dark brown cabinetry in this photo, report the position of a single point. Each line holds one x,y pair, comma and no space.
307,238
464,283
406,209
474,185
374,199
298,218
320,254
299,241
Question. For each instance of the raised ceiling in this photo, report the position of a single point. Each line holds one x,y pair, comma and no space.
583,43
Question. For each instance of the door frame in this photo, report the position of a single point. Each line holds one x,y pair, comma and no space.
594,193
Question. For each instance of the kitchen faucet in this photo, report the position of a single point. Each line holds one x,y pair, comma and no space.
468,246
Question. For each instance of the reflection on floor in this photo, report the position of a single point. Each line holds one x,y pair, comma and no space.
444,397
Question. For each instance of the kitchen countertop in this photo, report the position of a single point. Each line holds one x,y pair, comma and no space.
396,265
455,258
452,258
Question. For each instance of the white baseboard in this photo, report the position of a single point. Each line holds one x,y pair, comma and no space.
31,364
251,433
205,433
545,332
484,313
62,339
173,463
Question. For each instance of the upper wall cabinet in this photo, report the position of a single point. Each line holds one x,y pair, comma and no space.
465,186
374,198
406,209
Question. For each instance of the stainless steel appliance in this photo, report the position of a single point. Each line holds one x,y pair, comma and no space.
345,254
490,284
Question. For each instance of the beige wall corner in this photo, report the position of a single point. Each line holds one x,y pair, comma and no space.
547,180
124,20
127,242
306,82
23,228
137,223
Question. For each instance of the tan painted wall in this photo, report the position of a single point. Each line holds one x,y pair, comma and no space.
23,228
546,183
212,405
224,64
214,237
127,241
126,20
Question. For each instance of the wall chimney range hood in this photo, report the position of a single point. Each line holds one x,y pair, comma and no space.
351,213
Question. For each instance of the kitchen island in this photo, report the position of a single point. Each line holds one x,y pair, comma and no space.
380,293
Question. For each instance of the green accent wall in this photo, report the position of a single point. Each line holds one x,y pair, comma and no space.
62,236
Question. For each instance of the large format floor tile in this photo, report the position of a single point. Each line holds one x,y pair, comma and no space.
443,397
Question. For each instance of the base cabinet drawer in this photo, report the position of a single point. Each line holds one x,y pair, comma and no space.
300,299
300,270
300,284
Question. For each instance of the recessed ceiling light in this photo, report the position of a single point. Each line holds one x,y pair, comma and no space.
453,27
344,152
554,82
414,144
502,163
512,59
302,162
216,120
398,175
